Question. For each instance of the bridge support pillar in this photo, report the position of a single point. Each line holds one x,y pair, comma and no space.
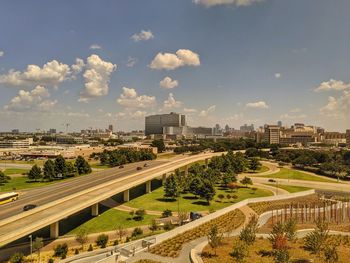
126,195
148,186
54,230
94,210
163,179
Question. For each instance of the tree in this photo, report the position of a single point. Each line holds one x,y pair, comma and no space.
304,160
35,173
167,213
316,240
81,237
49,170
71,170
121,232
17,258
102,240
139,214
171,188
4,178
246,180
228,177
153,226
60,166
137,232
240,251
61,250
82,165
248,233
206,191
38,245
195,186
159,144
254,164
331,254
214,238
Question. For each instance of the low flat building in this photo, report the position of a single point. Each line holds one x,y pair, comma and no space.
16,143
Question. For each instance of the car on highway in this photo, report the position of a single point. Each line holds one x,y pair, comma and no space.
272,181
29,207
122,166
139,168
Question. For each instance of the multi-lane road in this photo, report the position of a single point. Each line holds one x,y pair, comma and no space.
61,200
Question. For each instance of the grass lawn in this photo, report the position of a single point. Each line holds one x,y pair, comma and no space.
110,220
99,166
262,169
291,188
11,171
166,155
285,173
22,183
155,200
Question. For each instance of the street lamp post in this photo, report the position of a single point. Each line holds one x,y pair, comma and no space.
31,247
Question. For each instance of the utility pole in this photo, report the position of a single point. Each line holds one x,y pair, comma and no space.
31,247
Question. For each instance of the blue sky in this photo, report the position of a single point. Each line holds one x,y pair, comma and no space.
218,61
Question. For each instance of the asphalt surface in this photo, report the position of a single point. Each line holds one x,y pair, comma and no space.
45,194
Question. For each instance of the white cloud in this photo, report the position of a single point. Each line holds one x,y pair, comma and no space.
137,114
130,99
168,83
257,105
144,35
205,113
338,108
209,3
278,75
97,76
52,73
190,110
295,110
131,62
289,116
95,46
35,99
2,53
171,102
78,66
333,84
170,61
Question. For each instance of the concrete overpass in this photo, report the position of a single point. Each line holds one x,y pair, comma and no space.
64,201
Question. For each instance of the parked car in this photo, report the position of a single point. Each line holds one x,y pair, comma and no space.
272,181
29,207
139,168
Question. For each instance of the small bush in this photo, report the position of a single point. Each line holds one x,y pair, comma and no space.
76,251
61,250
17,258
102,240
90,248
137,232
167,213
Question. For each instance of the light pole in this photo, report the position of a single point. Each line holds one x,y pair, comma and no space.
31,247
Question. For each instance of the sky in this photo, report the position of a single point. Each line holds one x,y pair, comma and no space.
93,63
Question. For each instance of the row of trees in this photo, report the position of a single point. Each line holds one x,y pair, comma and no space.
59,168
333,163
122,156
201,181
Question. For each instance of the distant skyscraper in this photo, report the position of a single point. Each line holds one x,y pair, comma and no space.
52,131
227,128
279,123
110,127
247,128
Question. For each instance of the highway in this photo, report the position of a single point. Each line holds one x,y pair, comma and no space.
42,195
61,200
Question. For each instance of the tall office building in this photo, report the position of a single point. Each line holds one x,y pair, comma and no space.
155,124
272,134
348,137
110,127
279,123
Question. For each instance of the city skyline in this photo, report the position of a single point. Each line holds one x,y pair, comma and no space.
118,63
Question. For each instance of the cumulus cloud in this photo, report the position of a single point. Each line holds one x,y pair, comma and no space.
51,74
95,46
168,83
289,116
170,61
333,84
137,114
35,99
171,102
278,75
190,110
97,77
210,3
144,35
207,112
2,53
257,105
130,99
78,66
131,62
338,108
